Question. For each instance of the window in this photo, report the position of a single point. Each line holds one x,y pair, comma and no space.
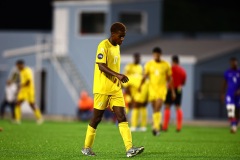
134,21
92,23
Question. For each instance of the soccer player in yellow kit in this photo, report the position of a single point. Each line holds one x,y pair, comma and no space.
107,90
26,92
139,99
159,73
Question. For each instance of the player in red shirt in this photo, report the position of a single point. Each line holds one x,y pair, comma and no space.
179,78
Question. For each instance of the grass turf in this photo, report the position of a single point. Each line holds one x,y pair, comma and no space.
64,140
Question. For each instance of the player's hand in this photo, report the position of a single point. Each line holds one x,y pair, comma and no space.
173,95
122,78
237,93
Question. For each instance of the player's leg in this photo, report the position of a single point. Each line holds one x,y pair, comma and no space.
179,113
92,127
36,111
144,116
135,116
117,104
167,115
125,132
157,116
100,104
179,118
17,110
12,107
167,111
2,108
143,101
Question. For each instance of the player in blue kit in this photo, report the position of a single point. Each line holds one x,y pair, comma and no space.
231,90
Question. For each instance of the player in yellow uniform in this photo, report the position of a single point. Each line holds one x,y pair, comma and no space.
139,99
26,92
159,73
107,90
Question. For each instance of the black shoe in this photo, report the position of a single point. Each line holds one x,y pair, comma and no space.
155,132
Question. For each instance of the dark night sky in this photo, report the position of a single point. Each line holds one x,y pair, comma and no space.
179,15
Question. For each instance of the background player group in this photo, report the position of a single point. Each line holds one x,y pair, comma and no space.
158,83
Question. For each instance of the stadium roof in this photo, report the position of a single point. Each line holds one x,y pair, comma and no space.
199,49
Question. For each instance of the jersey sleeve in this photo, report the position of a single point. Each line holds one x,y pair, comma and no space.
101,56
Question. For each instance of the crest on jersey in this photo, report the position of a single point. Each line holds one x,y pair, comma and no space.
100,56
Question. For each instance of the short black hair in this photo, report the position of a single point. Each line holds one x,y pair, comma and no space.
20,62
157,50
118,26
175,59
136,54
233,59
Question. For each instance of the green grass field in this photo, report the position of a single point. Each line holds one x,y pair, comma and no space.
64,140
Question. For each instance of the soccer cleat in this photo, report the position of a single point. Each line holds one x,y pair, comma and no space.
178,130
233,129
16,122
133,129
88,152
40,121
134,151
155,132
143,129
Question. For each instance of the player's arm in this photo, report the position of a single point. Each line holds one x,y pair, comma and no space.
104,68
25,84
145,76
171,86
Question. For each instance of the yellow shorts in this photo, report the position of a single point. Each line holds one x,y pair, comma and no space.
102,101
26,96
142,97
157,93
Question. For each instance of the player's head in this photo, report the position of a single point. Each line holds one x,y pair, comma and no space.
175,59
157,52
20,64
136,58
234,63
118,32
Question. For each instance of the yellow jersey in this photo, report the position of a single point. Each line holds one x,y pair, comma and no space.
110,55
27,75
133,69
157,72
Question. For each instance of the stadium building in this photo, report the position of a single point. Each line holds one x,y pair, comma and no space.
63,60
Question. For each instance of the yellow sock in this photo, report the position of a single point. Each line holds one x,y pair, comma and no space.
126,134
144,116
37,113
134,118
157,120
90,136
17,111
